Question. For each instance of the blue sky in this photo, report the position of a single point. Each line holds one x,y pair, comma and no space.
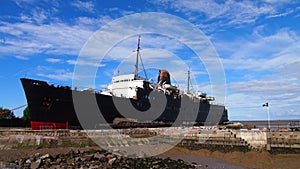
258,43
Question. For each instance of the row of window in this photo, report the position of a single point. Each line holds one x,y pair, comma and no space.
125,80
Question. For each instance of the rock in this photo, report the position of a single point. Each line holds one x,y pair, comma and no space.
99,156
180,161
71,154
92,151
45,156
155,167
54,167
19,162
156,162
26,165
28,161
59,160
109,156
36,164
99,159
37,155
111,161
54,163
94,166
88,157
47,162
70,161
126,166
79,159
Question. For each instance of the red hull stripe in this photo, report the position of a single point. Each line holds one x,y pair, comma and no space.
37,125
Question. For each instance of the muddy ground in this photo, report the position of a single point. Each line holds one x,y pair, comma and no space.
252,159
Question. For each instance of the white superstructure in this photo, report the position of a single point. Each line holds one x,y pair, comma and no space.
125,86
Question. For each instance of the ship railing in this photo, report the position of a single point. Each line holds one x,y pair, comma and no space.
219,104
46,127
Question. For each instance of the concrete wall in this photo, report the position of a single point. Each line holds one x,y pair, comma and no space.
257,139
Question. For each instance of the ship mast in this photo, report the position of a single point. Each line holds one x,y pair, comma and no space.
138,55
189,78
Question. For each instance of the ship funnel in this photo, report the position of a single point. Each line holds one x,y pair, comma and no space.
163,77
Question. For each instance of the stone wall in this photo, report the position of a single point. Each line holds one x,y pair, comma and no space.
284,140
248,139
257,139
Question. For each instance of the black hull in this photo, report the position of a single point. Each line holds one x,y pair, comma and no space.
54,104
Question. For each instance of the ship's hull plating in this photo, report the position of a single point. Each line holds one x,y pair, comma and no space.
50,104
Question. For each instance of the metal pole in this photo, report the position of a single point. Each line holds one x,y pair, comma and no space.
188,87
269,118
137,57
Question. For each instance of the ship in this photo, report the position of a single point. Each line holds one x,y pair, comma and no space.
128,101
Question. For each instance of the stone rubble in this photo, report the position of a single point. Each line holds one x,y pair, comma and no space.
98,159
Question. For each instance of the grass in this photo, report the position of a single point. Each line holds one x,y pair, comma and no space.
81,143
55,143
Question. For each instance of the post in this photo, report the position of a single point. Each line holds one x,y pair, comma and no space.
269,125
268,109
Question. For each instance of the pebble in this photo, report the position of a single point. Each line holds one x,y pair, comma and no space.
36,164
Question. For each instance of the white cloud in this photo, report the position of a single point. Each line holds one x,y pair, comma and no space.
285,13
22,57
88,6
267,65
246,107
227,13
85,63
266,87
281,90
35,11
247,98
278,1
54,38
38,15
20,3
290,71
93,23
54,60
59,74
262,52
81,62
37,30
